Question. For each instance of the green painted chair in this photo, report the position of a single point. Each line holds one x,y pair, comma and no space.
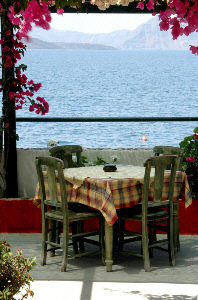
149,211
169,150
54,211
65,153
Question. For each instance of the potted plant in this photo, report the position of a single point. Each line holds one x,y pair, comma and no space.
14,273
190,161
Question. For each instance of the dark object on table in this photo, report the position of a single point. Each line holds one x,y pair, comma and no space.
109,168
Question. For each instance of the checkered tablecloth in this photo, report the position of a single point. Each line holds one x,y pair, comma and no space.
108,194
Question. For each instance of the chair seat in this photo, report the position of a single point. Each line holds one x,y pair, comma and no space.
153,214
73,216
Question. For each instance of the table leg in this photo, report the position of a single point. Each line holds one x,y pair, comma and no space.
108,246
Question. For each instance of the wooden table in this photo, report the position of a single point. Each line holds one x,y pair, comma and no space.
108,191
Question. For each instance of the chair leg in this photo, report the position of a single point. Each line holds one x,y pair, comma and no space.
152,237
175,228
171,249
74,240
178,242
52,235
145,247
121,235
115,237
44,245
65,246
58,232
81,241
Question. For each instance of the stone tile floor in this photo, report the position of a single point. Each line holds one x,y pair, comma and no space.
87,279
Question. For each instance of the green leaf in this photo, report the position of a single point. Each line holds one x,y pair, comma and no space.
196,130
183,144
22,67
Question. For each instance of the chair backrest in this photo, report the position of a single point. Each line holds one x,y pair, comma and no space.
159,163
53,169
169,150
65,153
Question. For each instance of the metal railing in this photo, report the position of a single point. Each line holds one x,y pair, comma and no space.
108,119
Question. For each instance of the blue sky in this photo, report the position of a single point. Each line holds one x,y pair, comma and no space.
98,23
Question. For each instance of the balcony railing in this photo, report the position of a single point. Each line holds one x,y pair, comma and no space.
108,119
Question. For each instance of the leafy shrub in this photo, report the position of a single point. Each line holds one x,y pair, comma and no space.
14,273
190,162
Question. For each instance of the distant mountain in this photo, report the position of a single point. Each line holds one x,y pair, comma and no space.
39,44
147,36
112,39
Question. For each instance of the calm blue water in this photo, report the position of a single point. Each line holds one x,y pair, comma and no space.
79,83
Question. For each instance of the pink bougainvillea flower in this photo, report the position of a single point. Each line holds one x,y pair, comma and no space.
14,83
60,11
8,32
176,29
164,25
30,82
8,62
150,5
6,124
140,5
191,159
195,136
31,108
12,95
1,8
6,48
37,86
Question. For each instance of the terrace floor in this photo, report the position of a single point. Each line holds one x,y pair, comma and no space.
87,279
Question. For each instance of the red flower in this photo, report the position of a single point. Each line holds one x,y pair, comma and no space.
8,32
60,11
6,48
140,5
191,159
11,95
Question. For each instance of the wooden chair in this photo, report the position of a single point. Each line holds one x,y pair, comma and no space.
150,211
169,150
65,153
54,211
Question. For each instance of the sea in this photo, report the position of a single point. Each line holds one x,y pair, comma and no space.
111,83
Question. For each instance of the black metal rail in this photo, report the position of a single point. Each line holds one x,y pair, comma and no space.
109,119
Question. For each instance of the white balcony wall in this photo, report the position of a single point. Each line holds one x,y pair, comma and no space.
27,177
